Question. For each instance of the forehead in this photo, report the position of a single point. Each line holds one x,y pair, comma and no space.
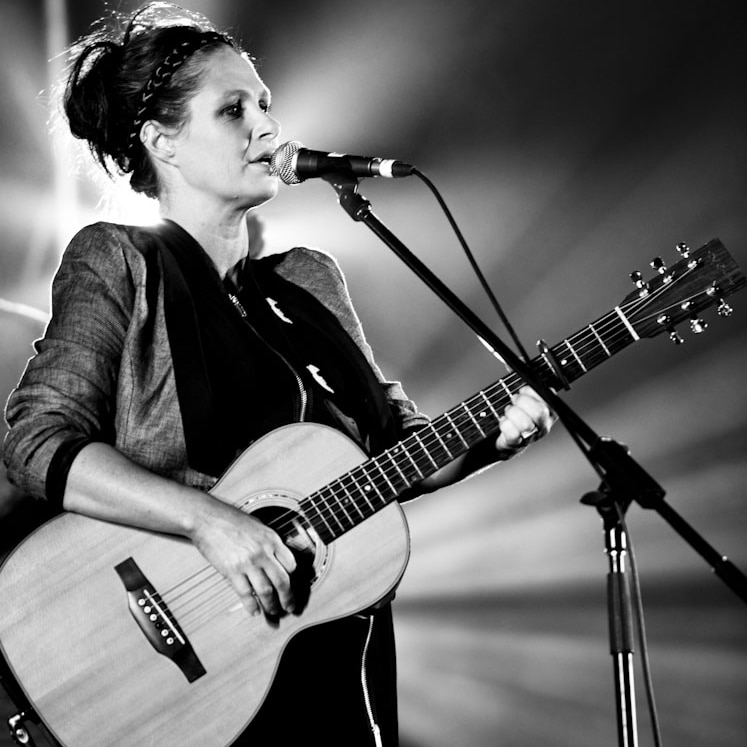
226,70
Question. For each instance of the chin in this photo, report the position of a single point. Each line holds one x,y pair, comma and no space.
256,199
268,191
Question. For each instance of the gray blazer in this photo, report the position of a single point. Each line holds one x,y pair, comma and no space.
103,370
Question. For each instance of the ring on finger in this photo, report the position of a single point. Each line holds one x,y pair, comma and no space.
528,436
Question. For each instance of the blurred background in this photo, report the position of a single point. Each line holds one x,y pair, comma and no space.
573,142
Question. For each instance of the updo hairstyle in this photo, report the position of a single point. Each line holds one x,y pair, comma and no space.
118,81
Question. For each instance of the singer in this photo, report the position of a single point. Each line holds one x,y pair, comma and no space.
173,349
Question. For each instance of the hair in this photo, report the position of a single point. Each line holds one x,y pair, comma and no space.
119,80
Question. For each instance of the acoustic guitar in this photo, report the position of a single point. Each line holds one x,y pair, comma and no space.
120,636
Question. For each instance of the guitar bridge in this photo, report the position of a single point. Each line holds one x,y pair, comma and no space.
156,621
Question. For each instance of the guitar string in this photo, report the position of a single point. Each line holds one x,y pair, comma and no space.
433,437
214,599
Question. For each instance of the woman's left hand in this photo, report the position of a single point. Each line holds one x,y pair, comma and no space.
525,420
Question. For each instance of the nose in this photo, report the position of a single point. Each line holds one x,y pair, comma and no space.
266,128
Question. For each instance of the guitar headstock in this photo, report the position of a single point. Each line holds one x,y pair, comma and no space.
700,279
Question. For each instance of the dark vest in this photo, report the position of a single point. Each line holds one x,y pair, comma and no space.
245,365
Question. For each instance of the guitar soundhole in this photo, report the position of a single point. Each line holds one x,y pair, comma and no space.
308,550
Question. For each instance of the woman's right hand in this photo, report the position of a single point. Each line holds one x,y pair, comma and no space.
250,555
105,484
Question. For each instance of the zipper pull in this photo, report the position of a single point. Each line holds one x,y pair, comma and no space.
237,305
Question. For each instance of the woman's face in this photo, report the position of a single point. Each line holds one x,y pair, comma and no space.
223,150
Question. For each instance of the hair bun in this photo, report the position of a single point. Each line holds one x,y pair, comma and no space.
88,101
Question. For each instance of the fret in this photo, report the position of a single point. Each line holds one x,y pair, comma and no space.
442,442
349,498
509,393
331,511
490,405
601,341
575,355
551,377
565,364
613,332
320,515
343,508
384,475
371,484
416,436
474,420
402,475
354,488
496,399
414,463
458,432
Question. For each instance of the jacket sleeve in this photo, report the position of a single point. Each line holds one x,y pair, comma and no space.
65,398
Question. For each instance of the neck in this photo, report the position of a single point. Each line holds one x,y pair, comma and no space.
223,235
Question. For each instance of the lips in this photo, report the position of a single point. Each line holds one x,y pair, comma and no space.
263,158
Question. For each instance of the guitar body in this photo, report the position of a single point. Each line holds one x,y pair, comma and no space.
87,667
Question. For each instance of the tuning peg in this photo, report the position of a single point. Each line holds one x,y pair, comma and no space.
684,251
660,266
723,308
697,325
675,337
666,321
639,282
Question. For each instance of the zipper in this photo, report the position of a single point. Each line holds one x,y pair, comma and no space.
304,397
375,730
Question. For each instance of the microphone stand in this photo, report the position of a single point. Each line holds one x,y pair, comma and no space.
623,480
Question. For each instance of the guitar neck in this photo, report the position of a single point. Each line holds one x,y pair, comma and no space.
353,497
698,281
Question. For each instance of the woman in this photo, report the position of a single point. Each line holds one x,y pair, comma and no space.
169,352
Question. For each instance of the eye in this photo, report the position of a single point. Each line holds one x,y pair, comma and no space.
265,105
234,111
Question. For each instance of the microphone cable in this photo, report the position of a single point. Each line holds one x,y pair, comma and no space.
475,267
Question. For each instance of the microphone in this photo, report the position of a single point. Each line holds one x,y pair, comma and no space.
293,164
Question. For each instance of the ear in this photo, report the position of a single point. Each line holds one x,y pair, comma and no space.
158,141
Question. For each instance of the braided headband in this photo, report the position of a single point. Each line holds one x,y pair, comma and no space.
161,77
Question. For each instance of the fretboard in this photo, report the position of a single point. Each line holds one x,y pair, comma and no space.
358,494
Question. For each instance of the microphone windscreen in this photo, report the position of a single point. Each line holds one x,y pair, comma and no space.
281,163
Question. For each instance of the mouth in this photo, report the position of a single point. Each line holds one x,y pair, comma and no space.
266,159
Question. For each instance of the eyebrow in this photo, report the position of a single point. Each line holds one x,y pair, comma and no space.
264,92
